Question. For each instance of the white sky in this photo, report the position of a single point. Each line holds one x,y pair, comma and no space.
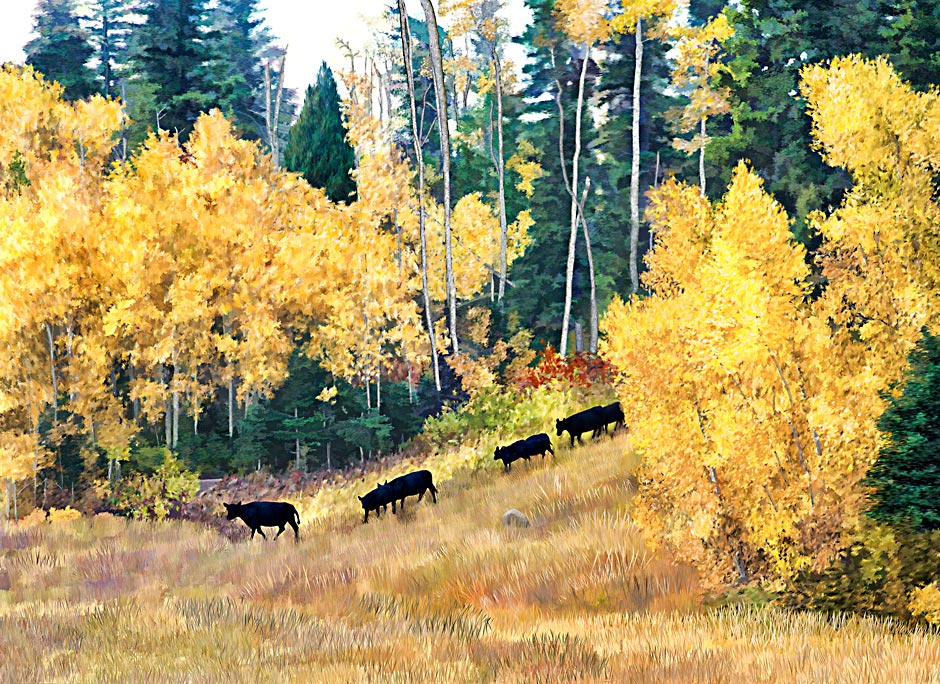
306,27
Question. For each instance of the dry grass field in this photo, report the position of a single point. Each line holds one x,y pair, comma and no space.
441,593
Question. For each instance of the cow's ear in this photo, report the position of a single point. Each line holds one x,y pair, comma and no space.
360,498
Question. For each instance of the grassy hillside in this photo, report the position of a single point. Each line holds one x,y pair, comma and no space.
441,593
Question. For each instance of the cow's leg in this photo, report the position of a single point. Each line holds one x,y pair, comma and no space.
261,532
366,518
296,529
421,496
279,530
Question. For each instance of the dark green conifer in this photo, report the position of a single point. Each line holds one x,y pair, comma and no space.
317,146
906,476
61,50
172,54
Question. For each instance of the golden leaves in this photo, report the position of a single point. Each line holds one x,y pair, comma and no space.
584,21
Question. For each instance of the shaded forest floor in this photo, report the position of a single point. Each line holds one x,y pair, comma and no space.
441,593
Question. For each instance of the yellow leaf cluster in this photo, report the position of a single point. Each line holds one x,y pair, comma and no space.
584,21
695,66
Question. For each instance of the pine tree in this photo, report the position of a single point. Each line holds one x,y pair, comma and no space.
241,41
772,41
110,27
317,146
61,50
172,53
906,476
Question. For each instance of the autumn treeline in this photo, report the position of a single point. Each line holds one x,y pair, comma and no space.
135,294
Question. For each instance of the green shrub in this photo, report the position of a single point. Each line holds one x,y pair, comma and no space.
877,574
156,496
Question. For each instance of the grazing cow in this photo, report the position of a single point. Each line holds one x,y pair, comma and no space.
591,419
614,414
536,445
376,500
416,483
265,513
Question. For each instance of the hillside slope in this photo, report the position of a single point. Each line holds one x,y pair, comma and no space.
440,593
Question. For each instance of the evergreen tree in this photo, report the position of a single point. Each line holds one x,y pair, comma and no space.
61,50
911,29
241,43
769,127
906,476
172,53
317,146
110,27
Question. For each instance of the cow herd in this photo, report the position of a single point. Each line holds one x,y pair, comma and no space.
595,420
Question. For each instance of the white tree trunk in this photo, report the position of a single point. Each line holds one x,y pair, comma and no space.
272,115
55,384
500,176
635,167
590,259
422,218
440,91
701,158
231,408
572,240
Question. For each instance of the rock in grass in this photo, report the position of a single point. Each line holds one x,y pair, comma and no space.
514,518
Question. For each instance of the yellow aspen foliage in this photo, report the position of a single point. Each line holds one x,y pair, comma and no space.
584,21
52,157
525,163
695,65
754,403
632,11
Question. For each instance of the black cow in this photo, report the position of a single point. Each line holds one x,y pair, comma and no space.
416,483
536,445
591,419
614,414
376,500
265,513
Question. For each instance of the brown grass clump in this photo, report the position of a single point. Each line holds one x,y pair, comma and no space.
439,593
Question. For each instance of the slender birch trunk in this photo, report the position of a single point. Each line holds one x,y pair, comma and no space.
500,176
572,240
701,157
55,384
635,166
231,408
272,117
440,91
419,160
176,406
590,260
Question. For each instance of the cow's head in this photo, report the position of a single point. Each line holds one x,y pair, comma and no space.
559,428
498,453
232,510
